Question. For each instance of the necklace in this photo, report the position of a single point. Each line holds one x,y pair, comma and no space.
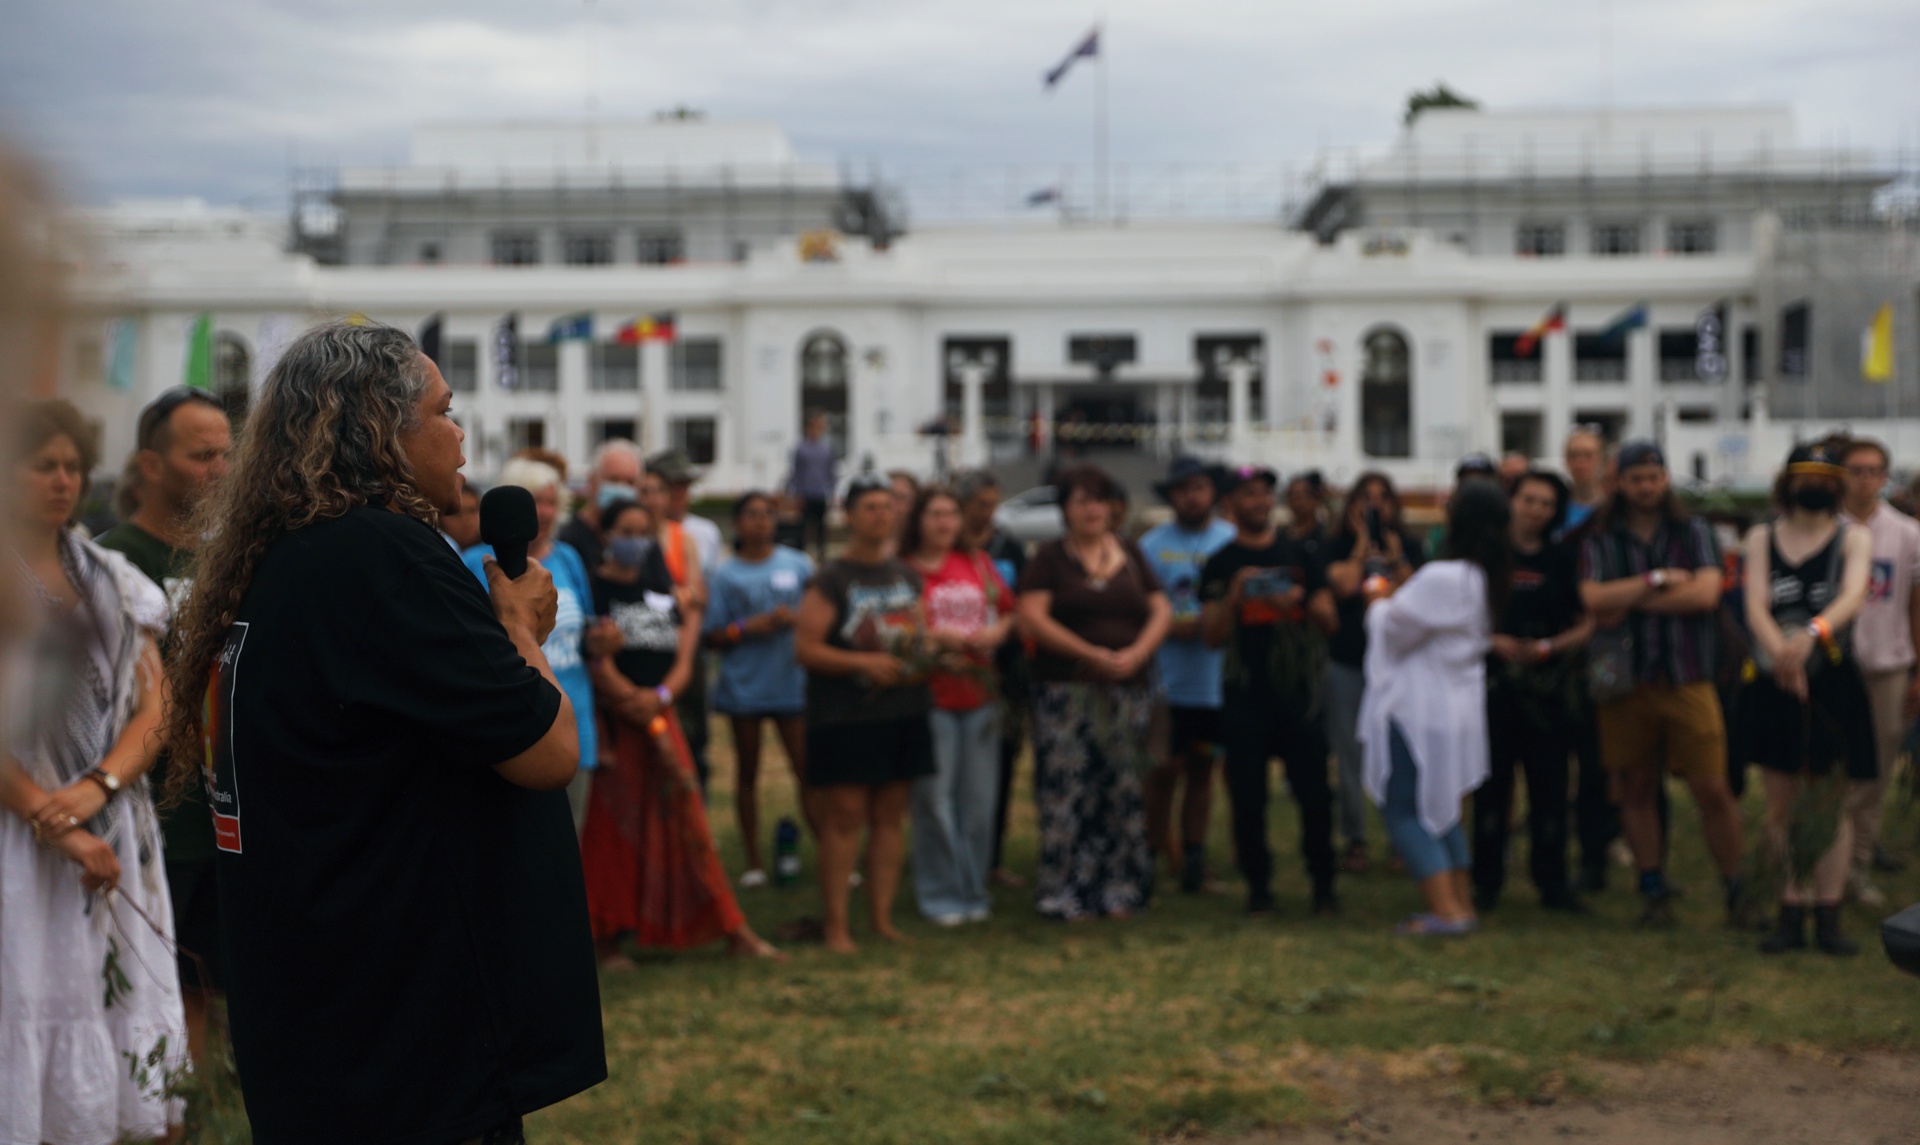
1096,569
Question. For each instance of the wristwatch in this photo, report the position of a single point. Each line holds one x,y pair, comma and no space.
109,782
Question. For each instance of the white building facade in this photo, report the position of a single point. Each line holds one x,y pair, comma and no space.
1376,333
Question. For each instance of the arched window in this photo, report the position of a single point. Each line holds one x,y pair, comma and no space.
232,374
823,384
1386,395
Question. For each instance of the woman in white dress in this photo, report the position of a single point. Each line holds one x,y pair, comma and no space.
1423,723
91,1027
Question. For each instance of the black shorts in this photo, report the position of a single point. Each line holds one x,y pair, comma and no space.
869,754
1192,727
196,923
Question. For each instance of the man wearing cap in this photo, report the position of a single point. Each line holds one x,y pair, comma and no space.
1189,669
1651,576
1267,604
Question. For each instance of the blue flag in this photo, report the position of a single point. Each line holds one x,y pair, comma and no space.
571,327
1632,318
1088,47
124,339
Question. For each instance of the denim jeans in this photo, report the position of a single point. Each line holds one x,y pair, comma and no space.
1424,855
1345,687
953,813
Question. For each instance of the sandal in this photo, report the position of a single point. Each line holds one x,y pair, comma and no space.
1433,926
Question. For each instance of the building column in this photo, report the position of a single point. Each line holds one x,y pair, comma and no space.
1557,384
1239,373
655,370
973,437
1643,383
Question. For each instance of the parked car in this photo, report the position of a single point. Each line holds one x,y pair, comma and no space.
1031,517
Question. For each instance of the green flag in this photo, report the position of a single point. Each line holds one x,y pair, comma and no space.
199,375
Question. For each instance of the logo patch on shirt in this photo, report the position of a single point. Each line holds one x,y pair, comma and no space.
218,767
1880,581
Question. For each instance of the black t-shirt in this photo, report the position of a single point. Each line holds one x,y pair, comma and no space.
876,608
1545,598
1348,644
406,934
649,618
1282,564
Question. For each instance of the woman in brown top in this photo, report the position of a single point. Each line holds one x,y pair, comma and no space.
1098,614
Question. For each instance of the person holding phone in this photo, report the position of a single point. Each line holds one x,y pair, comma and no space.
1268,606
1372,541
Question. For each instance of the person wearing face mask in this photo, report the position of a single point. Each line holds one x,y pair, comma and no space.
1804,713
653,873
613,476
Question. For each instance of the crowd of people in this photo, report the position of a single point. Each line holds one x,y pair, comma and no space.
1583,631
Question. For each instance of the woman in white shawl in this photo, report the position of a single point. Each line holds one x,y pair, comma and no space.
91,1028
1423,723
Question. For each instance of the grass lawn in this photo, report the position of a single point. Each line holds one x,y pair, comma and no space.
1191,1021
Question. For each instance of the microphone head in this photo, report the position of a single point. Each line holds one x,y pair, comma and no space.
509,523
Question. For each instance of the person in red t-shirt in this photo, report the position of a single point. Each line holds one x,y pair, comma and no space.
969,613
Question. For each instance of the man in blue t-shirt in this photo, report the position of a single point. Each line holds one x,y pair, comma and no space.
1189,670
751,604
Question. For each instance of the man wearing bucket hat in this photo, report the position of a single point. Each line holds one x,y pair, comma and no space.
1650,574
1189,670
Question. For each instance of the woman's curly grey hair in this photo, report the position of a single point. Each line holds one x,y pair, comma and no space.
323,438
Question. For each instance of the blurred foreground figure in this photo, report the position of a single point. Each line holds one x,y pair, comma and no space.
385,746
83,745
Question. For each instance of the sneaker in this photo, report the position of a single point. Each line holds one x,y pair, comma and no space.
979,914
753,880
1657,914
1860,888
856,880
948,921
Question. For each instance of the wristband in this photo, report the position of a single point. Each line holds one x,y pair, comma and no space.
1820,630
666,695
1376,584
736,632
658,726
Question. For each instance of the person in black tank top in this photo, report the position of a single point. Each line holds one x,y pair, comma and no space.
1803,712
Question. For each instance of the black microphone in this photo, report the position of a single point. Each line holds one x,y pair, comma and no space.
509,523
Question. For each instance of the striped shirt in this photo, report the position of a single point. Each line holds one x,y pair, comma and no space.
1666,649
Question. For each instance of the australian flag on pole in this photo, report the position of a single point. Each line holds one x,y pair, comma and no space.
1088,47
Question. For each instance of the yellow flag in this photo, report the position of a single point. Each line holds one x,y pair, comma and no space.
1876,347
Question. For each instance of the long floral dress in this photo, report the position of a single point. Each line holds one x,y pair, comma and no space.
91,1026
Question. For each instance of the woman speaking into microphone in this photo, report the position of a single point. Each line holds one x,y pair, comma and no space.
386,748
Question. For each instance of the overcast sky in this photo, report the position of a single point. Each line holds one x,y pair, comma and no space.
216,97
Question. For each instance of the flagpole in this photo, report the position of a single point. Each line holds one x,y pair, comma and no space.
1100,123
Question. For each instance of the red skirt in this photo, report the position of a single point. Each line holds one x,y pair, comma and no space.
651,867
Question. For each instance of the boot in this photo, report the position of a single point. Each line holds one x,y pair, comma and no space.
1826,932
1791,934
1193,869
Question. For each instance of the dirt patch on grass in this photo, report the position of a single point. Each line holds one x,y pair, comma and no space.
1724,1097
